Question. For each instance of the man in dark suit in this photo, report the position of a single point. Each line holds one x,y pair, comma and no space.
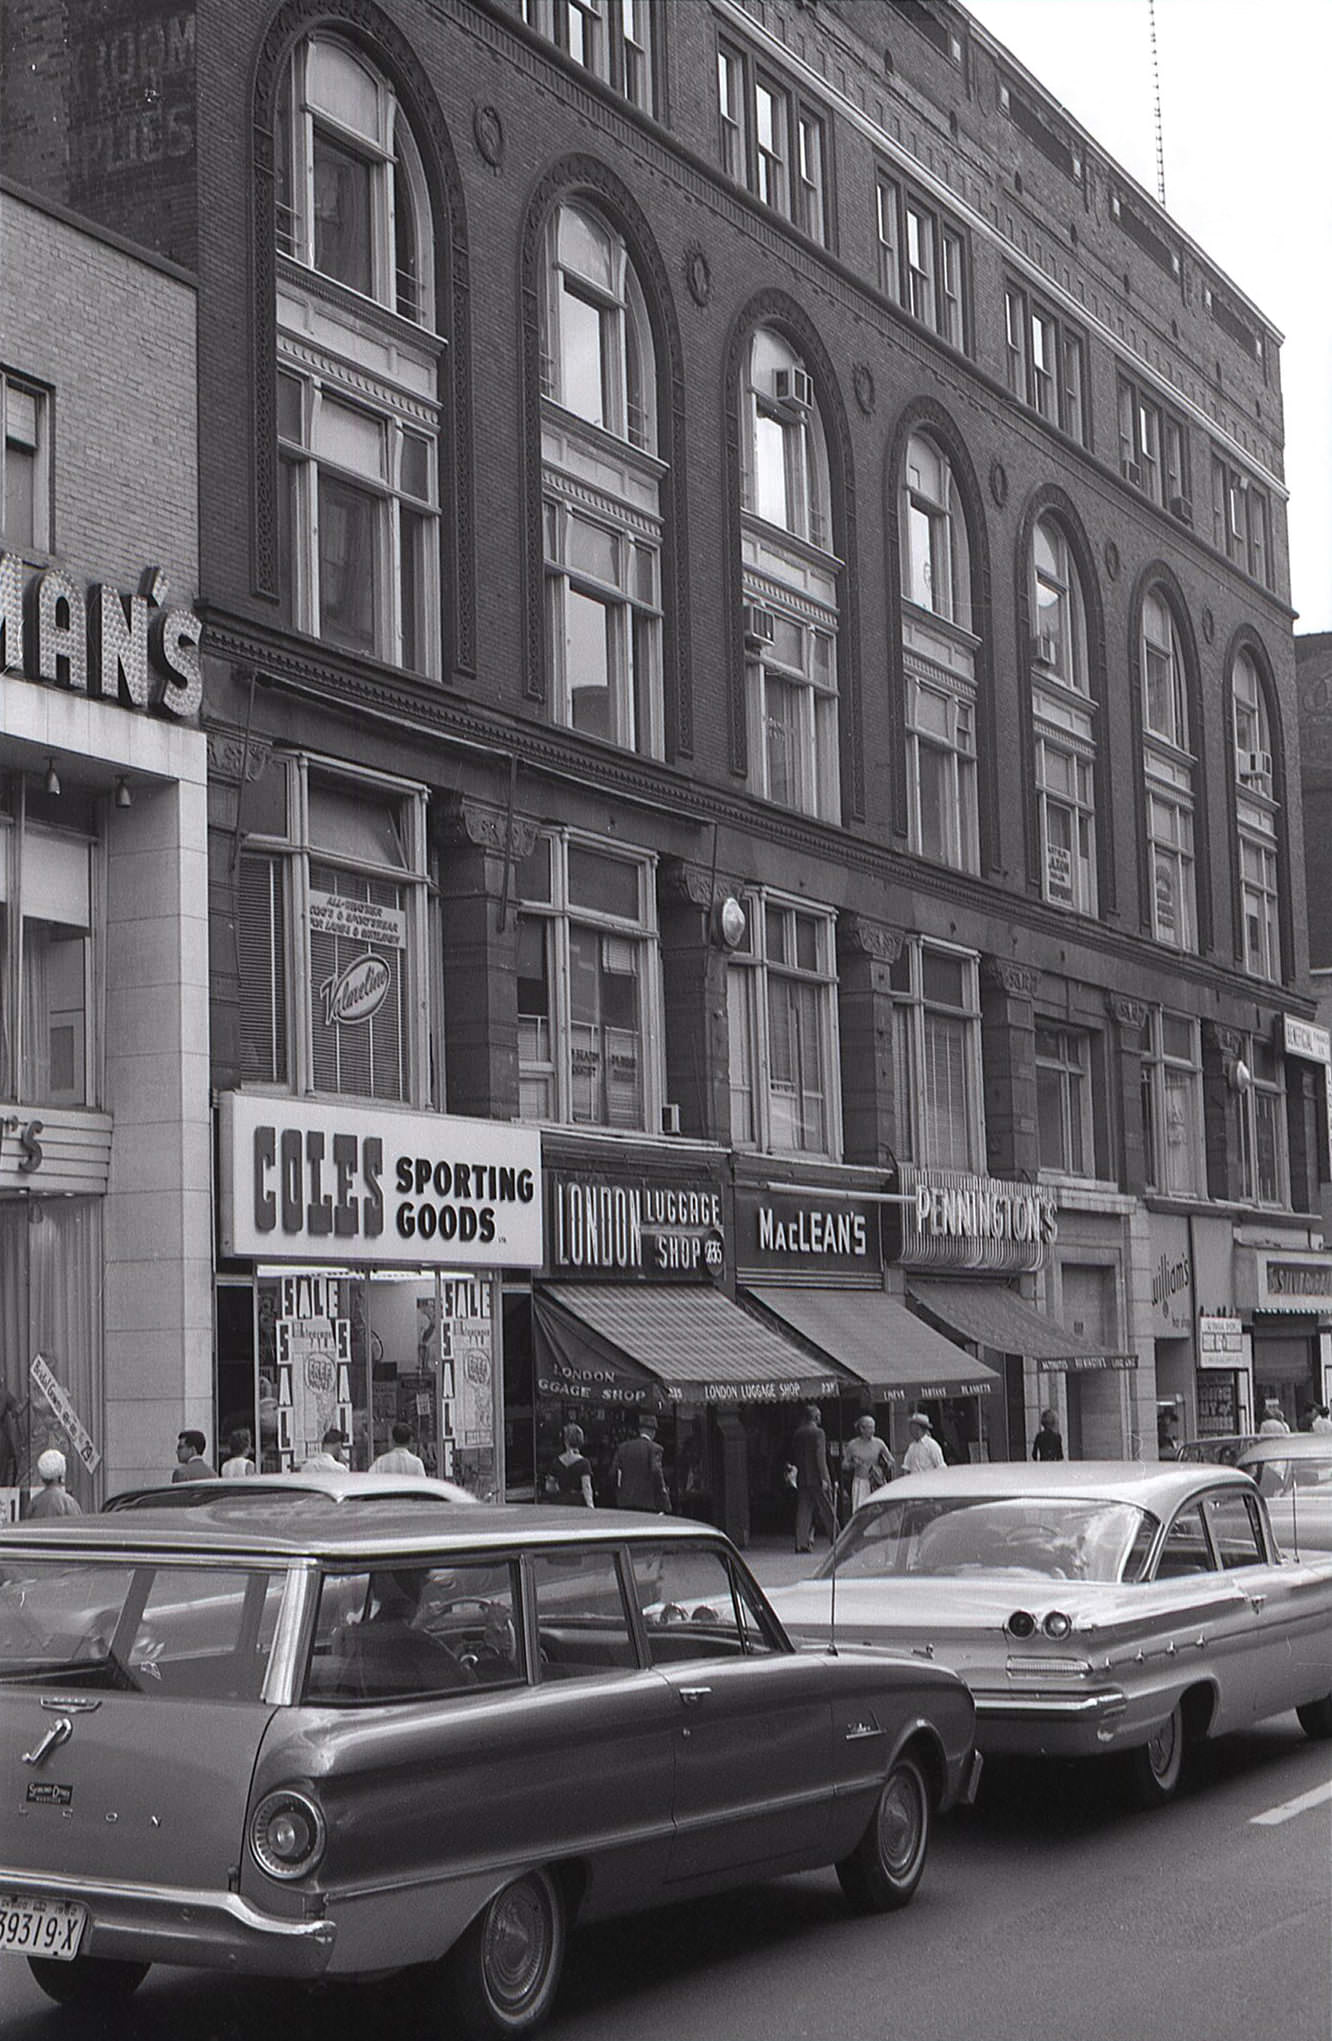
638,1480
814,1489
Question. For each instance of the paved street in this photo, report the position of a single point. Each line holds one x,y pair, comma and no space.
1046,1915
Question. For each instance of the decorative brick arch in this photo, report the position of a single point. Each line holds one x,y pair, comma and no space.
1159,574
924,415
780,312
371,30
1054,503
568,178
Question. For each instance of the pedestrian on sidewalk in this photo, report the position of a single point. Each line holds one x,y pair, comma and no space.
637,1476
240,1446
399,1459
924,1454
1048,1443
191,1463
866,1462
813,1482
53,1499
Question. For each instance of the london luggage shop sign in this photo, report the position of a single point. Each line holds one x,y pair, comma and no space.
133,650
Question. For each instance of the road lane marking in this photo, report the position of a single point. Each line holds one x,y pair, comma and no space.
1288,1809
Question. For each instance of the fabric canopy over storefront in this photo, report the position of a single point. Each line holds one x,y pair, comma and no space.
997,1317
654,1346
885,1346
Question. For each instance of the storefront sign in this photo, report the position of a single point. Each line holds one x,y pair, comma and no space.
312,1336
655,1232
1220,1342
1305,1038
958,1221
64,1413
1289,1282
357,921
1172,1277
356,994
129,649
303,1182
789,1233
1088,1364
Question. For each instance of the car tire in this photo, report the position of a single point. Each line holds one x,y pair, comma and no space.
505,1971
1152,1770
884,1869
88,1980
1316,1718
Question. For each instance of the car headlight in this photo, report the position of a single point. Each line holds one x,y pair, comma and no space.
1057,1624
1020,1624
287,1834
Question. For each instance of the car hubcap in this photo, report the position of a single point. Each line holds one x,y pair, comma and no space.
517,1949
1161,1750
899,1823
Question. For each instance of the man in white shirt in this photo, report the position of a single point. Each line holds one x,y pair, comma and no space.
1322,1422
399,1458
329,1458
924,1453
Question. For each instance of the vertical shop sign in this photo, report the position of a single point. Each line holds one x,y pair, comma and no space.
313,1339
468,1375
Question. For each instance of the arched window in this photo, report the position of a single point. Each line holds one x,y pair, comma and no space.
1256,821
601,484
1168,766
939,659
357,409
790,584
1063,723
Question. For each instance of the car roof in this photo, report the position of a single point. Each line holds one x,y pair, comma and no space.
369,1529
1289,1446
331,1485
1156,1485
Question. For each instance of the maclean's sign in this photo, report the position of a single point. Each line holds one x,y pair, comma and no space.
129,649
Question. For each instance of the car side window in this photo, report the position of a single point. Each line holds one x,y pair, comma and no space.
1186,1549
695,1607
395,1633
581,1617
1236,1530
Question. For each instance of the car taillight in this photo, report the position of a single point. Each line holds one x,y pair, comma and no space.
287,1834
1020,1624
1057,1624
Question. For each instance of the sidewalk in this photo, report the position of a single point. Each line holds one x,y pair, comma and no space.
773,1563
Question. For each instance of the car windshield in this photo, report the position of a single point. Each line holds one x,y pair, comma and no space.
955,1536
145,1628
1278,1477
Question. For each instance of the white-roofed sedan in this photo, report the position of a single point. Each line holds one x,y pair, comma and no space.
1094,1608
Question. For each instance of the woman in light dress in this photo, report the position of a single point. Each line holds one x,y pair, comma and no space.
866,1461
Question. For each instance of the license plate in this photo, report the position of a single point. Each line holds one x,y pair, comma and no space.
41,1927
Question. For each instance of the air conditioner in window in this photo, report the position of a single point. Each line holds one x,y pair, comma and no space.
1132,473
1045,648
1181,508
760,626
670,1119
793,391
1254,765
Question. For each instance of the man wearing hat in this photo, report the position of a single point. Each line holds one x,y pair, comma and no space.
331,1454
924,1453
53,1499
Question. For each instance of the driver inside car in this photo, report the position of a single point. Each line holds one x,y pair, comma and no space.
387,1654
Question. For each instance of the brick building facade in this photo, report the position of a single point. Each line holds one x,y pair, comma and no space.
747,633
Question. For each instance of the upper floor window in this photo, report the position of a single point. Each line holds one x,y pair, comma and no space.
1047,361
25,465
1063,724
1064,1100
781,1003
333,934
611,38
1153,449
1264,1162
936,555
1241,520
351,198
588,988
601,481
772,140
937,1079
1256,820
1172,1105
922,260
1168,769
790,584
357,403
597,355
939,661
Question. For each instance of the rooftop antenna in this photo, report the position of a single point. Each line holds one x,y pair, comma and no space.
1156,104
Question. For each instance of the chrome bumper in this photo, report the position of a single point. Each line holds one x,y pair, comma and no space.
1098,1707
174,1924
